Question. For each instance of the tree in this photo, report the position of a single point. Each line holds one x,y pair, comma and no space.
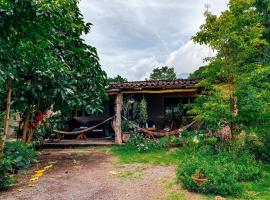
42,53
117,79
237,36
163,73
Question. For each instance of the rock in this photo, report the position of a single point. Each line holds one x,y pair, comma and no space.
220,198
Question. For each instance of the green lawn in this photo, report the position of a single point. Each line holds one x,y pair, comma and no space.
160,157
259,190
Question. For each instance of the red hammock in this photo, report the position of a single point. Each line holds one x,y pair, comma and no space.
81,133
161,134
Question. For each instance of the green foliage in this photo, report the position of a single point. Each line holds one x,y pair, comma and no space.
240,67
130,109
259,144
46,129
5,178
143,112
175,113
42,51
224,170
212,72
125,126
213,109
254,109
134,111
138,143
16,157
19,156
117,79
163,73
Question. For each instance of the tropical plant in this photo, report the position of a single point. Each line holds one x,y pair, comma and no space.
143,112
5,179
16,157
19,156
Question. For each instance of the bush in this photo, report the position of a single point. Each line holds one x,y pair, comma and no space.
5,178
225,170
16,157
259,145
138,143
19,156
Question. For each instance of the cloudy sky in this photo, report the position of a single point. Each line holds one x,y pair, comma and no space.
134,36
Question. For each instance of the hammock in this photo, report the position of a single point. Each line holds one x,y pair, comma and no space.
161,134
82,131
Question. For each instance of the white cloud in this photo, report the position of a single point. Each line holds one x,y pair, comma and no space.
133,36
143,67
188,57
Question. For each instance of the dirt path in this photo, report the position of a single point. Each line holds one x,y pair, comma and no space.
90,174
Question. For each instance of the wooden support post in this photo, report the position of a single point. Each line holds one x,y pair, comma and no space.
118,111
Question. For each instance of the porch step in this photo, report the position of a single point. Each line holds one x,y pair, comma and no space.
77,143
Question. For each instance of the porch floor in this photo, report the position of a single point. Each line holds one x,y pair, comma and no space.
65,143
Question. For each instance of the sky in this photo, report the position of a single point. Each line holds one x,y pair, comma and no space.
134,36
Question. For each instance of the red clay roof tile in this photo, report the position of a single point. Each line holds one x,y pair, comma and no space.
179,83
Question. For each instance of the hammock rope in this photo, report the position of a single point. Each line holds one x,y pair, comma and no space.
161,134
85,130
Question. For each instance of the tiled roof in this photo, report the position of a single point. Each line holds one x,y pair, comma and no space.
179,83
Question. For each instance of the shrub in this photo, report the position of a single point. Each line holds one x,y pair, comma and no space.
138,143
5,178
18,155
259,145
225,170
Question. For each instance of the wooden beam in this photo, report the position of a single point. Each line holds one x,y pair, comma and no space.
118,113
153,91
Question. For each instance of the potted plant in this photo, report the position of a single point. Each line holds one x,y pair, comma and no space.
125,126
199,178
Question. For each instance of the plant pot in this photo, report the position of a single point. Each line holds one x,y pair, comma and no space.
199,178
125,137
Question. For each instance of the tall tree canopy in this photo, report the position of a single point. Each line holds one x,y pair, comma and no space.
163,73
43,55
117,79
237,78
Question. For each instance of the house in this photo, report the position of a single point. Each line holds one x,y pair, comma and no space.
159,96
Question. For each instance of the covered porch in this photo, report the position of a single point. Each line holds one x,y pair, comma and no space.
160,96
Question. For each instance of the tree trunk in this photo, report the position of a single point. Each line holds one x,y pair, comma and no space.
25,128
234,112
233,105
30,131
7,118
118,111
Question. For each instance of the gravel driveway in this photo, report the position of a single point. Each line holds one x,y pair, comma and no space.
89,174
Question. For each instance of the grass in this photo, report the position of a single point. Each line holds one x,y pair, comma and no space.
131,172
259,190
159,157
173,190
